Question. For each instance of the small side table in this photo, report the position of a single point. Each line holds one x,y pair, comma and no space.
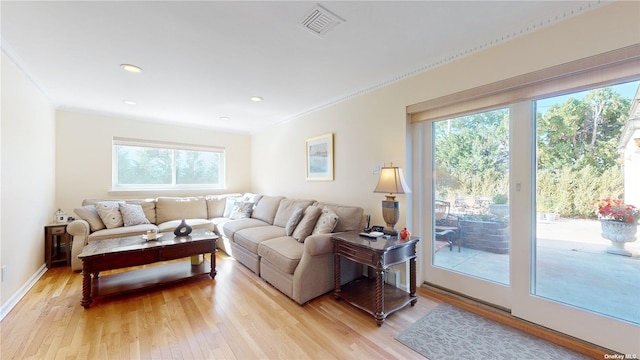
57,245
373,295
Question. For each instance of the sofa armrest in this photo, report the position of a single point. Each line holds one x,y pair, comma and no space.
319,244
314,275
80,231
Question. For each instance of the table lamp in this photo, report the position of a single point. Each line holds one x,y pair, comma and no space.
391,182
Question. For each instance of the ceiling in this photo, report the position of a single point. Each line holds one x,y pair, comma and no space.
202,61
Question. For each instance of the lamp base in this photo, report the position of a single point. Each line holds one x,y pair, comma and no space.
391,215
390,231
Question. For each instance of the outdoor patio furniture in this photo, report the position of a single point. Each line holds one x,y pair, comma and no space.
447,226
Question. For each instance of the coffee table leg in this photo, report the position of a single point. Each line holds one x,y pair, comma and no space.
213,265
86,289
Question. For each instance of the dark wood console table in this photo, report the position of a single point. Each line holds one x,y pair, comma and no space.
109,254
373,295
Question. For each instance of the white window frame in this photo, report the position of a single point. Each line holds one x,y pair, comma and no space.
164,145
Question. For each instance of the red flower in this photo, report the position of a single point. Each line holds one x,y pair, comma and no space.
616,210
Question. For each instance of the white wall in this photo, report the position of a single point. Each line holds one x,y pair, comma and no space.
372,128
28,182
83,155
367,130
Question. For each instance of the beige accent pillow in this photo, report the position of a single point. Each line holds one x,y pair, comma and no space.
326,222
293,221
148,206
132,214
241,210
109,212
307,223
89,214
286,208
351,217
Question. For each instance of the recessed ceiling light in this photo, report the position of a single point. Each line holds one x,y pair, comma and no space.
224,118
256,98
131,68
129,102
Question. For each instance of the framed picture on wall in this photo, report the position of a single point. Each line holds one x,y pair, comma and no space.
320,158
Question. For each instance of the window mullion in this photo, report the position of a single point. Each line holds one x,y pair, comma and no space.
174,168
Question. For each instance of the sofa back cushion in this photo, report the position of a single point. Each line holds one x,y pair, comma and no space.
216,203
169,208
350,218
286,209
266,209
148,206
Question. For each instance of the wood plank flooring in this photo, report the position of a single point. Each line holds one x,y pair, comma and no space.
235,316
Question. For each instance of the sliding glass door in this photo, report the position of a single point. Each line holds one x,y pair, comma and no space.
585,157
551,162
470,203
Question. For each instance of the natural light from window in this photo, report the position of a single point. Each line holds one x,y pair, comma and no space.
144,165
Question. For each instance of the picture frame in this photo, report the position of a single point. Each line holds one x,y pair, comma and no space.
319,152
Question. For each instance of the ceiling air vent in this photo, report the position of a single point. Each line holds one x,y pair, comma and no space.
320,20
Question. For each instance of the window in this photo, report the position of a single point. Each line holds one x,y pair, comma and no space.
147,165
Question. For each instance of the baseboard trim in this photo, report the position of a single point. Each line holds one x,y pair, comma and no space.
504,316
22,291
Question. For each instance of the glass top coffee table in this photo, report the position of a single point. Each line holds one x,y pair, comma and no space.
117,253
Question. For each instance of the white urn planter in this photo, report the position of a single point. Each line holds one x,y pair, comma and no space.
499,210
619,233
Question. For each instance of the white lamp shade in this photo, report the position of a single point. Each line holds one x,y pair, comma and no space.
392,181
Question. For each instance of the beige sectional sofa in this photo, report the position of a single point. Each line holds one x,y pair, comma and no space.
163,214
287,242
298,260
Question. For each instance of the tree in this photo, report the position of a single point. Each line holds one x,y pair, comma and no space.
582,132
577,152
472,153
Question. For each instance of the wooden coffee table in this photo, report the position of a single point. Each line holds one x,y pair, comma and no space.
109,254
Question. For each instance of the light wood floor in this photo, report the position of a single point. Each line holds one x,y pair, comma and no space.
235,316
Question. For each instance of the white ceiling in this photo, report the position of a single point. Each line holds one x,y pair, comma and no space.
204,60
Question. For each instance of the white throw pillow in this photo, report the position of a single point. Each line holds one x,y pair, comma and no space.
326,222
132,214
109,212
241,210
228,206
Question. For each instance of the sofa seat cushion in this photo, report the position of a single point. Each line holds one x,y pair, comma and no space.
122,231
169,226
230,228
218,222
284,253
252,237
